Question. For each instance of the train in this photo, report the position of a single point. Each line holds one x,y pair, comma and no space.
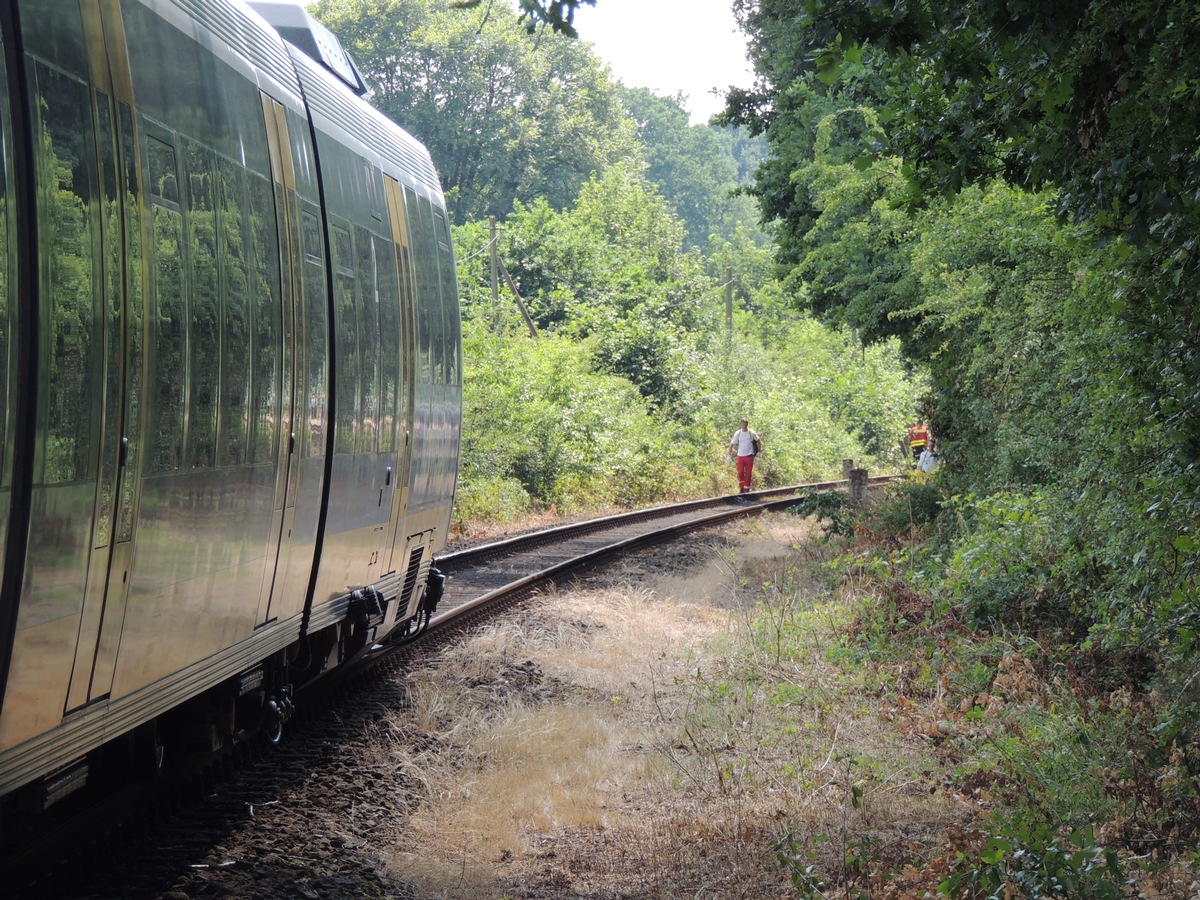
230,380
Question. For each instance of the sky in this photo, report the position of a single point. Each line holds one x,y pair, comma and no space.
670,46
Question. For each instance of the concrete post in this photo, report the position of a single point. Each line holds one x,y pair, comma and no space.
847,467
858,486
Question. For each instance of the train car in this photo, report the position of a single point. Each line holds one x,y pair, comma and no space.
230,378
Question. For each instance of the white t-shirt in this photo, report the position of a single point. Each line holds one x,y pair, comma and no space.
744,441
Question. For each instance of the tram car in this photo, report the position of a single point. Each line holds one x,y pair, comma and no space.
230,378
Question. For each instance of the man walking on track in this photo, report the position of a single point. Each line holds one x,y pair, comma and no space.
746,444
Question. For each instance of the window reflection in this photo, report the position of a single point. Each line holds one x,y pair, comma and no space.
169,345
267,302
8,309
235,318
368,334
389,340
349,365
66,164
204,319
314,332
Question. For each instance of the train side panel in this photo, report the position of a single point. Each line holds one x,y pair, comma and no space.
70,317
396,352
175,502
188,462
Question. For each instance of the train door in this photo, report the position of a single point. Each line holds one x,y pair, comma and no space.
283,176
404,391
119,356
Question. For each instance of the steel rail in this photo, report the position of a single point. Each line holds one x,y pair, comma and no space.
468,557
743,505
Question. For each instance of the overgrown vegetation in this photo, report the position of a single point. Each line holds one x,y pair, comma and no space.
621,230
1011,191
938,755
990,207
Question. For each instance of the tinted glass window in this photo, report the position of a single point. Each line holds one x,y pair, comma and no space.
450,334
437,342
135,320
113,316
427,299
204,320
265,297
314,321
347,349
71,341
235,314
8,307
389,341
368,338
166,437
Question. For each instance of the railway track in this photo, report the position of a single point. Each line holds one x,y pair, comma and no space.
511,569
480,581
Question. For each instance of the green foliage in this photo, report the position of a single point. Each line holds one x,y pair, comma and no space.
505,115
557,15
697,168
494,498
537,416
1061,356
1002,567
1035,860
830,507
906,505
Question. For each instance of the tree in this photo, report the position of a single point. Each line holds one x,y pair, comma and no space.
557,15
690,164
1096,99
504,115
612,269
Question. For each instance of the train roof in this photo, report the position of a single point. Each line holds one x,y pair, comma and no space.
296,26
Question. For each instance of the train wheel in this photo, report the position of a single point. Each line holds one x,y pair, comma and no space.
273,720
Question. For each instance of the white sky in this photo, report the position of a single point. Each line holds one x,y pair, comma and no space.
670,46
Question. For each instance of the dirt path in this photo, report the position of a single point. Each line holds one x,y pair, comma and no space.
675,726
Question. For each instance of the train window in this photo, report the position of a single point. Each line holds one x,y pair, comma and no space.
368,338
169,337
204,324
266,294
450,336
113,316
437,339
371,176
235,314
347,348
389,342
314,331
134,322
66,161
425,271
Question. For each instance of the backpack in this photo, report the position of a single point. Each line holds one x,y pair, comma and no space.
757,444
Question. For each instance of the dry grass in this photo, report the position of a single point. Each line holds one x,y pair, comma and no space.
647,736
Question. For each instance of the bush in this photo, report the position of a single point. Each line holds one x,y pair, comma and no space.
491,500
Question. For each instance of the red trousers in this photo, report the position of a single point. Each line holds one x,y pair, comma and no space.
745,465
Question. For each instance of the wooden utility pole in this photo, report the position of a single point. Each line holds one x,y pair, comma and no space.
520,303
728,308
495,280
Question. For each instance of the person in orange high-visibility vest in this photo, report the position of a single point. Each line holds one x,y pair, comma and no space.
918,437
